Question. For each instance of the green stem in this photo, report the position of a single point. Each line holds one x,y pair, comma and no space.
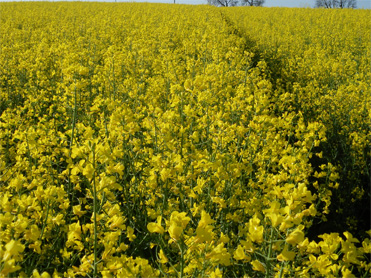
281,270
95,216
181,259
74,118
46,219
43,227
164,245
267,273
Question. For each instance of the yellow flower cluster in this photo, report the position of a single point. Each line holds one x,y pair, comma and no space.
146,140
319,62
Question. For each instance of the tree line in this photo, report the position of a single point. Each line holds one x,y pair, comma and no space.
231,3
258,3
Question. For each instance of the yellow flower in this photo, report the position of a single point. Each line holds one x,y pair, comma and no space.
350,237
248,245
330,243
257,266
45,275
162,257
296,236
188,85
255,230
74,236
239,254
286,255
130,233
224,238
179,218
33,233
178,221
88,171
275,218
156,227
346,273
165,173
366,245
216,274
77,210
36,274
59,219
36,246
205,219
175,231
335,269
204,231
117,222
13,248
220,255
9,266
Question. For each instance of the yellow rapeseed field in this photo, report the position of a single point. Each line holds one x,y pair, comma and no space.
155,140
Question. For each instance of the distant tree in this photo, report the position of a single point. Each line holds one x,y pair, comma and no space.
253,2
223,3
336,4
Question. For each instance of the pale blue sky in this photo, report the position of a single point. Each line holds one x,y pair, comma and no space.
366,4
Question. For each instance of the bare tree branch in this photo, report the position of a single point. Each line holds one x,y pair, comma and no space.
231,3
336,4
223,3
253,2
